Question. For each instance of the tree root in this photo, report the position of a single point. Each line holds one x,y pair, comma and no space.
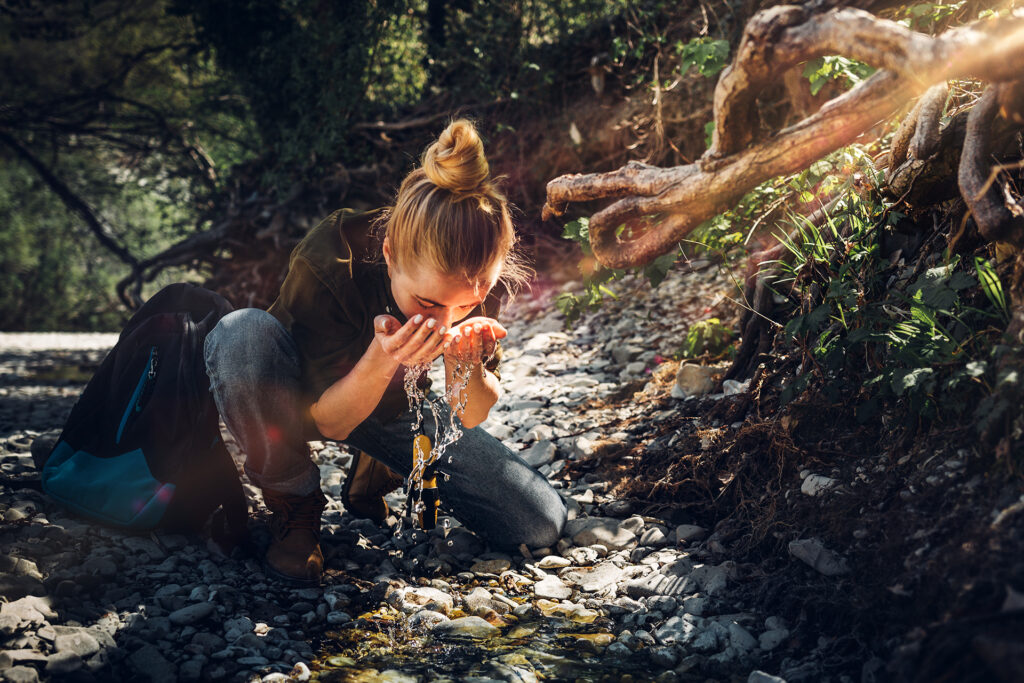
999,218
658,207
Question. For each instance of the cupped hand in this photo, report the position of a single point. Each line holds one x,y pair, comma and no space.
474,340
418,342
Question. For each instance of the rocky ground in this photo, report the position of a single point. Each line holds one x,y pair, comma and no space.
627,594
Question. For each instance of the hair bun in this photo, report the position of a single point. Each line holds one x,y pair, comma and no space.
456,161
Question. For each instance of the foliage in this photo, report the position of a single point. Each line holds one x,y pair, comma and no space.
709,337
708,55
914,334
596,277
847,72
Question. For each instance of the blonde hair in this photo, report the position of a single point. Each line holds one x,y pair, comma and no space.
450,214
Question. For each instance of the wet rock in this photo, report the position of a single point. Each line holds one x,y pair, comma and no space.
478,600
812,552
425,620
425,597
465,627
552,588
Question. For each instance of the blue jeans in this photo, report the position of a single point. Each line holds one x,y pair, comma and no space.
255,376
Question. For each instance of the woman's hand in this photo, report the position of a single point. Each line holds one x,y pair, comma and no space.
418,342
474,340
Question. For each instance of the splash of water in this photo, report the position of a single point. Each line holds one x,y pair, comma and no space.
446,432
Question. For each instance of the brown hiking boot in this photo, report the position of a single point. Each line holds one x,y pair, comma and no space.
294,554
367,483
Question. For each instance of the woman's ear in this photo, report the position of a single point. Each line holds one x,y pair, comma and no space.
386,248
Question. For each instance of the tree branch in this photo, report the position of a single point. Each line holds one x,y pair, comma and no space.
72,201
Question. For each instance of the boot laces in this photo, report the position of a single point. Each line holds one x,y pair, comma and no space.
296,512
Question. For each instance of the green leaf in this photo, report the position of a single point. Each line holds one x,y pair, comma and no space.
915,379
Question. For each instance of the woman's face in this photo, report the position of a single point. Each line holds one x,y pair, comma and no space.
419,288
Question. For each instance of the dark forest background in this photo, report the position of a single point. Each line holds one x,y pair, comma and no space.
148,141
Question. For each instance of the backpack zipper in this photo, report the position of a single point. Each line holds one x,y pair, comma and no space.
135,403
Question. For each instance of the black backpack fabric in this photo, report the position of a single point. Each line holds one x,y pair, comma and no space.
141,448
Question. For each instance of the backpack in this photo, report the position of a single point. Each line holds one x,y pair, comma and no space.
141,448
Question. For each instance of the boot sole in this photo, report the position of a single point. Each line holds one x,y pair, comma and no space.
290,580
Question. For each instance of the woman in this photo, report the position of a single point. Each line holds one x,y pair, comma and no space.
329,358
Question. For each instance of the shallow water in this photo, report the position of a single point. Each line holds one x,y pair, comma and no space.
379,646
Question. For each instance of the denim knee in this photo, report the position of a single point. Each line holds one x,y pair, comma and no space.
246,340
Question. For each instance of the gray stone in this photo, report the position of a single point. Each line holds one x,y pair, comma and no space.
762,677
151,665
430,598
594,579
617,651
659,584
465,627
495,566
551,588
29,610
816,484
605,531
654,536
626,353
478,600
62,663
663,657
15,586
676,630
553,562
711,579
813,553
192,613
81,643
425,620
740,637
690,532
192,670
540,453
769,640
21,674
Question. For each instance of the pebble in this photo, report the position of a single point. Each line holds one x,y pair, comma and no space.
465,627
185,612
191,614
552,588
812,552
609,532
